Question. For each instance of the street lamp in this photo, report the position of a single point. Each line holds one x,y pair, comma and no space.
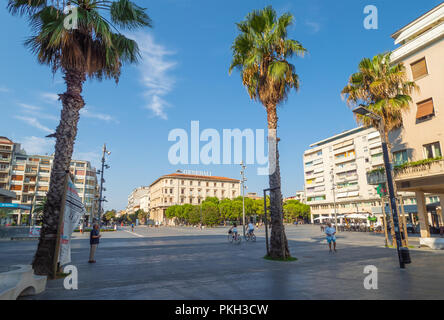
243,194
403,253
334,198
104,166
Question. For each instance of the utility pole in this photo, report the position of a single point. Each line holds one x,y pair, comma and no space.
105,152
334,198
243,194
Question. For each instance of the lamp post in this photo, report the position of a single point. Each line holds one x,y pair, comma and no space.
334,198
104,166
243,194
402,251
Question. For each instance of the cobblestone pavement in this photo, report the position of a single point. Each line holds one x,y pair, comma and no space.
189,263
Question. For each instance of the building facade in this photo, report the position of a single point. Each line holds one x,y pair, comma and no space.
28,177
335,173
138,199
179,188
421,50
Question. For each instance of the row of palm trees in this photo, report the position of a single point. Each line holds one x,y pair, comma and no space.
261,52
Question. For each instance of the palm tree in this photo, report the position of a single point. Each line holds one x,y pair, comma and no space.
96,50
260,53
384,89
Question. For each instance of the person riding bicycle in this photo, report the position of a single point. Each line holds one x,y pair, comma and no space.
233,231
251,228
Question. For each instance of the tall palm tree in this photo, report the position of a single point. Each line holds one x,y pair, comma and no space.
261,52
384,89
95,49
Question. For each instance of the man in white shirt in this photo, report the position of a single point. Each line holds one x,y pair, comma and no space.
330,232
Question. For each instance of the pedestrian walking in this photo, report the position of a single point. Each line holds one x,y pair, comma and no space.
81,227
94,239
331,232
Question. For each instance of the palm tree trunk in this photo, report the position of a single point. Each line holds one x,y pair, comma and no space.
278,239
65,137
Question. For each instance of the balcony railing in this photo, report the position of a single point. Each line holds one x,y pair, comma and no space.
412,170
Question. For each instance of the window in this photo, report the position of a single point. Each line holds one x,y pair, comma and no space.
419,68
400,157
432,150
425,109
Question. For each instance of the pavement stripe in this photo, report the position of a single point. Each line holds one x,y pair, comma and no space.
136,234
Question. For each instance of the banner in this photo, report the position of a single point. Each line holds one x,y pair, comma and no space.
74,210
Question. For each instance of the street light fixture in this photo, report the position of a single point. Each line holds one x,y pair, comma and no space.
243,166
403,253
102,180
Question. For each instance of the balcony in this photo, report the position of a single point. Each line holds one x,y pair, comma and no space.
420,169
346,168
5,159
4,179
345,159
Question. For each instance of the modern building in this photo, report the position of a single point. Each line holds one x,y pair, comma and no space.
28,177
335,173
180,188
421,50
138,199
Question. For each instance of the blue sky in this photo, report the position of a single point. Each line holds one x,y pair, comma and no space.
184,77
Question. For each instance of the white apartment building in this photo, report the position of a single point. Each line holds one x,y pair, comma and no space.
138,199
28,177
335,171
180,188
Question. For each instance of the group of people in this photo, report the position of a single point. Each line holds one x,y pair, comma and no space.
235,234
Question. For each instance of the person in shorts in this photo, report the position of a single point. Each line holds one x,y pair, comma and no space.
331,236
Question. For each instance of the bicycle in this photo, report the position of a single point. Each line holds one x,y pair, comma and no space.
236,239
250,236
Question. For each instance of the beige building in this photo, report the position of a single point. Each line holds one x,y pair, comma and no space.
421,49
28,177
179,188
138,199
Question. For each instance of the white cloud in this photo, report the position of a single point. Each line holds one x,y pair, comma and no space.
155,70
34,123
37,145
86,112
50,97
29,107
4,89
315,26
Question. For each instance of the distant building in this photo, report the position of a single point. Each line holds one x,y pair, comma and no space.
300,196
179,188
138,199
253,195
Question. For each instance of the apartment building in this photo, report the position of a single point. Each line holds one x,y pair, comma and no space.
335,173
421,50
138,199
180,188
28,177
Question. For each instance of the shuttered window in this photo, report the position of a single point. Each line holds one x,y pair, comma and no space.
419,68
425,109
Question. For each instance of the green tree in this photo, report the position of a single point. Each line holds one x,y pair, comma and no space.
384,89
96,50
142,216
210,213
261,52
109,216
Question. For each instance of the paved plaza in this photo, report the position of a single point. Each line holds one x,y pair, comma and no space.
189,263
